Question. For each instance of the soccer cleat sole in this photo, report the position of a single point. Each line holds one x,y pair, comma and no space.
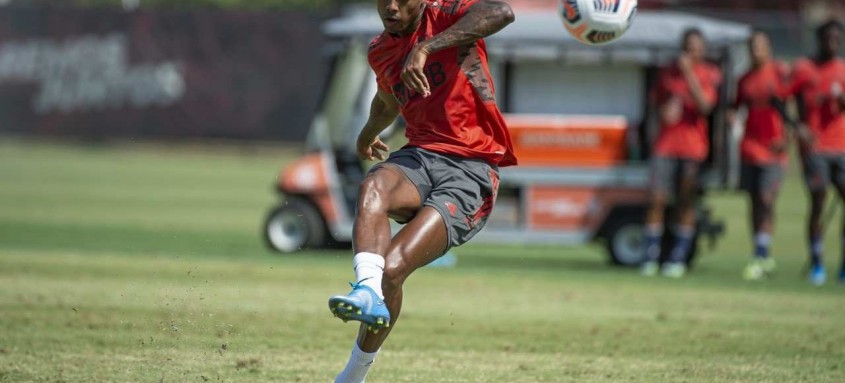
347,312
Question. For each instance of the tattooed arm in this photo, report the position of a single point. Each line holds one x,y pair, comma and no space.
481,19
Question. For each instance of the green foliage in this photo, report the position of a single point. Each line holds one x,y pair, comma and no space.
144,264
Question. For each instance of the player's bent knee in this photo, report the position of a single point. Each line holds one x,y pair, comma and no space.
373,195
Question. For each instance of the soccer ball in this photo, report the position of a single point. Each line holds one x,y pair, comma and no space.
597,22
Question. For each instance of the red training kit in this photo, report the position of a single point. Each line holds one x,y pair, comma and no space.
764,125
460,117
688,138
821,85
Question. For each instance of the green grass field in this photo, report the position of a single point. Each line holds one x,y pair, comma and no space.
136,263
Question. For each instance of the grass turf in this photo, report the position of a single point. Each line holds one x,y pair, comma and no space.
145,264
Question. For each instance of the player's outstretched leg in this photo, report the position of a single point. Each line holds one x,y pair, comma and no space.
417,244
384,193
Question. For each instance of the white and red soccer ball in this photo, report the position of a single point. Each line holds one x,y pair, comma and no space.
597,22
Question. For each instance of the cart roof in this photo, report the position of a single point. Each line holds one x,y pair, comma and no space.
542,29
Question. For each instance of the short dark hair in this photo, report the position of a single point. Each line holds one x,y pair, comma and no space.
690,33
826,27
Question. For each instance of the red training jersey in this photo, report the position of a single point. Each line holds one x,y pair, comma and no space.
460,117
821,85
764,125
688,138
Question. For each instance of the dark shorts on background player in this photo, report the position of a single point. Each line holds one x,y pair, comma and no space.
822,169
761,178
462,190
667,172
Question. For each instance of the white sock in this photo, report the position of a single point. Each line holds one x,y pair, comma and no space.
369,268
357,367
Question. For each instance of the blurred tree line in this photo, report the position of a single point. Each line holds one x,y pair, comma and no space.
228,4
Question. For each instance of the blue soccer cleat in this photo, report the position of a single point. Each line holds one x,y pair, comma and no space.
361,304
818,275
842,275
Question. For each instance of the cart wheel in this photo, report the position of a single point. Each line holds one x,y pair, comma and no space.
625,242
294,225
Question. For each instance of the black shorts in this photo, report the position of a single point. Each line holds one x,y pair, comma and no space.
822,169
462,190
758,179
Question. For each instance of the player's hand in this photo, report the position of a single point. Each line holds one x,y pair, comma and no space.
371,149
685,62
778,147
672,111
805,136
413,73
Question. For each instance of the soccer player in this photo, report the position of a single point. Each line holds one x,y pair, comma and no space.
431,66
685,95
761,92
818,87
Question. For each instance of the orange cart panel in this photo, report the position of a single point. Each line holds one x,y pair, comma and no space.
576,208
560,141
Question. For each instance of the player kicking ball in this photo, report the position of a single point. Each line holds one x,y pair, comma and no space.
431,66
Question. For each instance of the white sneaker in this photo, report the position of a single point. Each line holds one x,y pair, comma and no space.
758,269
675,270
649,268
753,271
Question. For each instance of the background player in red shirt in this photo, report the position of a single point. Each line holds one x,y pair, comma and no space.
818,87
431,65
763,147
685,94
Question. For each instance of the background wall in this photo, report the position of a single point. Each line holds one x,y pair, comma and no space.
97,72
